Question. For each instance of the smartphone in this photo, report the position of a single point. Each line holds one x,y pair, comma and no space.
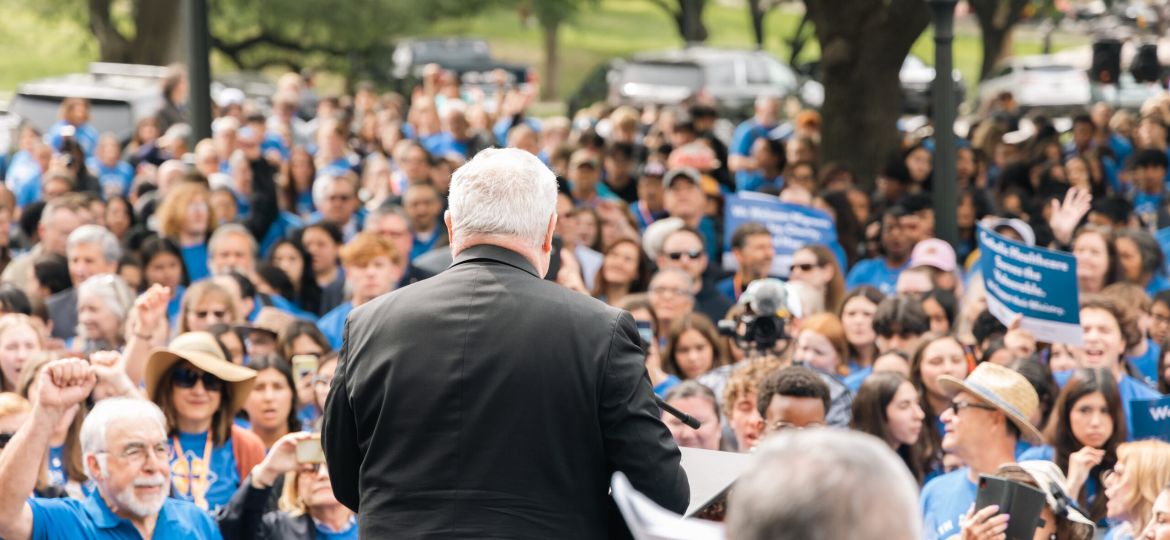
647,333
304,366
309,450
1023,502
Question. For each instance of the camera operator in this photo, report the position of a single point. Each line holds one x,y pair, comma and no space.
762,332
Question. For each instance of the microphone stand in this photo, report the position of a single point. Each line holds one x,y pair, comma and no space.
682,416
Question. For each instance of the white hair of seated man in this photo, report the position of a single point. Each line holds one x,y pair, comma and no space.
824,484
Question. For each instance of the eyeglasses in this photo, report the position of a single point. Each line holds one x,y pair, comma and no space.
669,291
136,453
803,267
217,313
5,437
340,198
782,425
692,255
186,378
957,406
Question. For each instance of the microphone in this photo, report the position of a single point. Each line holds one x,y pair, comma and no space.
682,416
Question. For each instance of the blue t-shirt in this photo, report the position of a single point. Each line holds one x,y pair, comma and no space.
223,475
663,387
1147,364
332,324
945,501
854,380
91,519
755,180
115,180
57,475
85,135
348,532
1128,389
195,261
875,273
1157,284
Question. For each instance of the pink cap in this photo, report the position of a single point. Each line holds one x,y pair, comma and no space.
935,253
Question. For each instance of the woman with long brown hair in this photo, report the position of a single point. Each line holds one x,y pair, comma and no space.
1085,428
693,347
888,407
817,265
625,270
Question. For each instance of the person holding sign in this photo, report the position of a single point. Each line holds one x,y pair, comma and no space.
1109,330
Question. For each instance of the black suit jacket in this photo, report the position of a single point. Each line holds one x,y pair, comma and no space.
486,402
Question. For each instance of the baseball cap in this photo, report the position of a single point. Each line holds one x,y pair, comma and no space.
935,253
685,173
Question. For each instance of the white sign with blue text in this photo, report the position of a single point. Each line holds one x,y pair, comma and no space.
792,226
1038,283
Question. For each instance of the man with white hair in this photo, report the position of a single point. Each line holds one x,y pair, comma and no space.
90,250
487,400
126,454
824,484
336,197
231,247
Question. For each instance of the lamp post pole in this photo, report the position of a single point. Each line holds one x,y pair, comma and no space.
198,70
945,184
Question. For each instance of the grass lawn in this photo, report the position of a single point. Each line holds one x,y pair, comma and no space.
34,46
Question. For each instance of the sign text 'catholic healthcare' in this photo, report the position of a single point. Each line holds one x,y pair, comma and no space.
792,226
1038,283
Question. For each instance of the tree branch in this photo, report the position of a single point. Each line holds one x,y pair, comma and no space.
266,37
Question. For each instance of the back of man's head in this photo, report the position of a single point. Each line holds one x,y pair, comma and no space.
824,484
502,193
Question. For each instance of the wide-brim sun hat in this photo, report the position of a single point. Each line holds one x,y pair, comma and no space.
1002,388
201,350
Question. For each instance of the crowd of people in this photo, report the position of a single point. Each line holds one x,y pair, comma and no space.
172,314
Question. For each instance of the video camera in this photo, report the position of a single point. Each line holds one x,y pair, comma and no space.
771,305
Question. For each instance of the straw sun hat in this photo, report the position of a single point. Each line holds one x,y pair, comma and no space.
1004,389
203,352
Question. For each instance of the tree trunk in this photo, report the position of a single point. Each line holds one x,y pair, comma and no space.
997,19
757,13
690,21
863,44
550,88
112,45
156,23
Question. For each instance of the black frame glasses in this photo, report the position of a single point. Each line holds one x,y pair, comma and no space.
692,255
186,378
957,406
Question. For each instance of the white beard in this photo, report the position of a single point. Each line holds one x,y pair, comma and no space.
130,501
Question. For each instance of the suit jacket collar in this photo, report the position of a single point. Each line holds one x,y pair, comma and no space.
496,253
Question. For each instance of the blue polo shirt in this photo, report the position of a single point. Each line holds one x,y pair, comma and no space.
332,324
91,519
945,500
195,259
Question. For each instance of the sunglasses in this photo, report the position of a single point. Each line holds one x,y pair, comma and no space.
187,377
678,255
805,267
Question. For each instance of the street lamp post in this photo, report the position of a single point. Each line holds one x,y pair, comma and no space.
945,186
198,70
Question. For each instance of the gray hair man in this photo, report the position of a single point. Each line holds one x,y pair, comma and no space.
90,250
469,351
824,484
232,247
126,454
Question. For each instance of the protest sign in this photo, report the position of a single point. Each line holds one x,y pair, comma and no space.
792,226
1150,418
1038,283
